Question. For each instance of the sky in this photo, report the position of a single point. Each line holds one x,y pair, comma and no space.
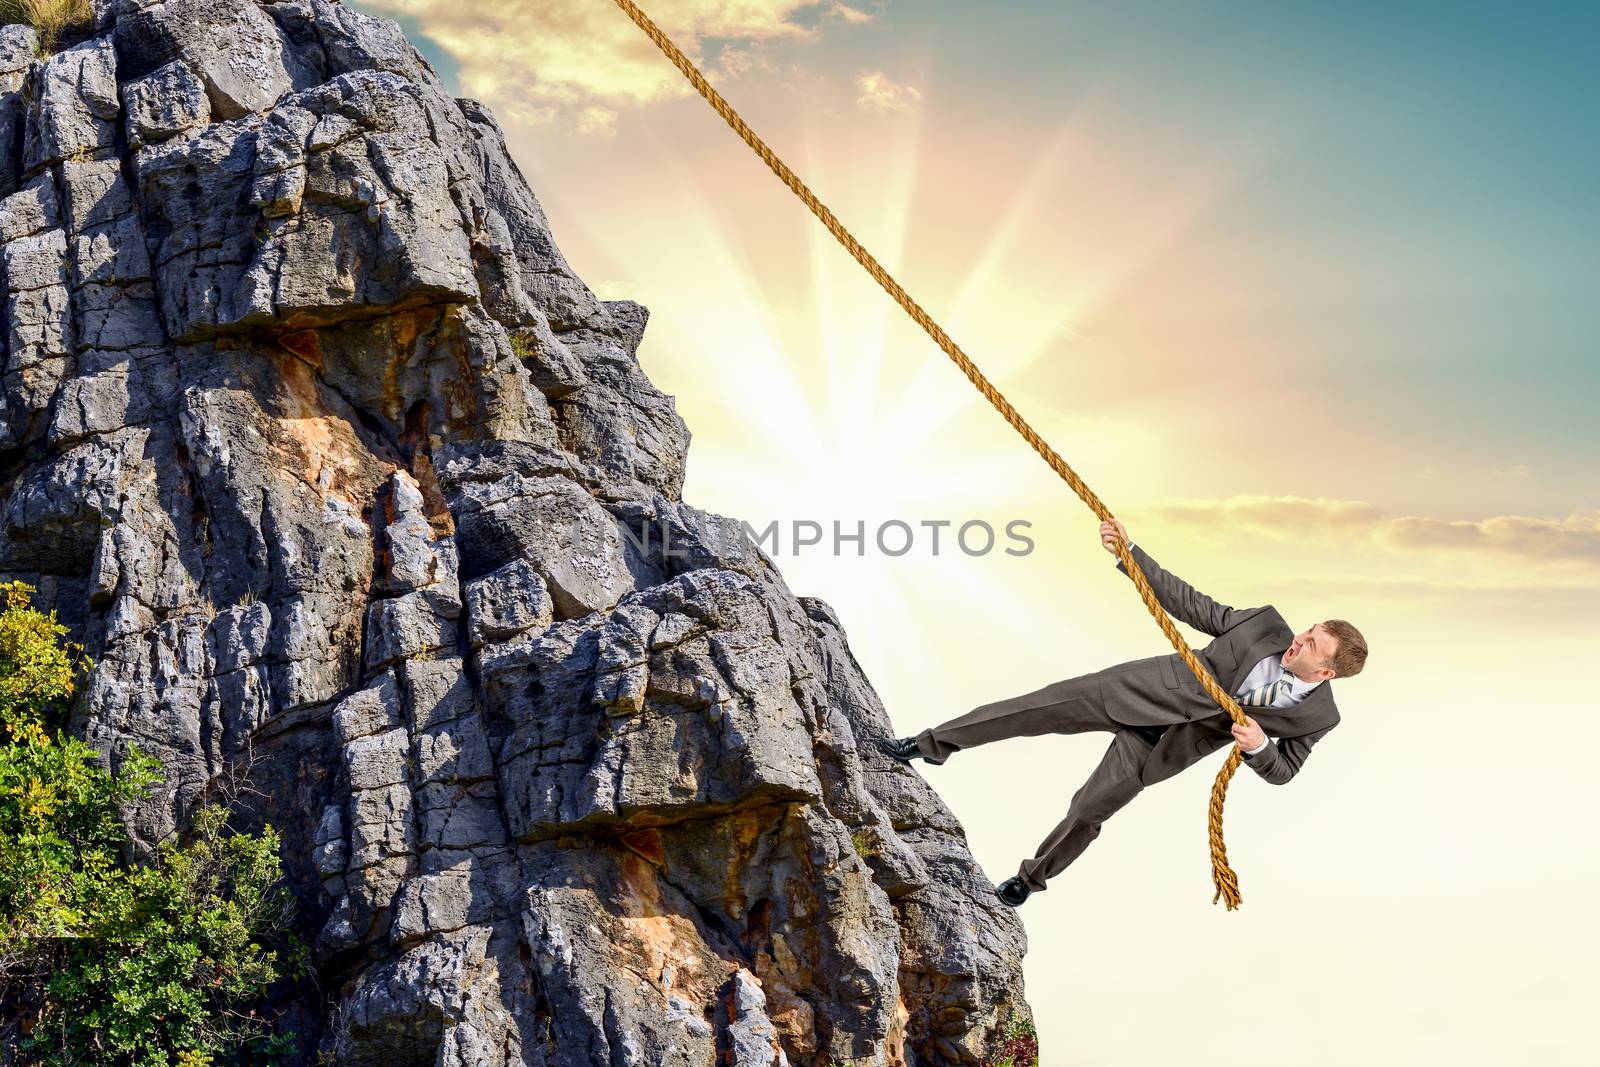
1306,294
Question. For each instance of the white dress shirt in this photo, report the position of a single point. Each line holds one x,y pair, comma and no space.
1269,670
1265,673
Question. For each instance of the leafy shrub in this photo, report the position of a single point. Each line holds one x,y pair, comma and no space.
1019,1048
106,962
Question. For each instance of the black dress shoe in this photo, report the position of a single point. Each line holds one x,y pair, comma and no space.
1013,890
903,749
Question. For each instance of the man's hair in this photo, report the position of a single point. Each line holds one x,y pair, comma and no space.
1351,655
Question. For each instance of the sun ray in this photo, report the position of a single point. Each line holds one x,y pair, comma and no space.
1087,285
852,323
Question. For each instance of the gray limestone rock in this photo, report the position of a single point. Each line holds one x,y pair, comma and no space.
164,103
315,440
234,48
74,107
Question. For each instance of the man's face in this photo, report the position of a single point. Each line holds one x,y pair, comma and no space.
1310,653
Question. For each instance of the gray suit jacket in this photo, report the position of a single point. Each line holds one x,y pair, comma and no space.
1161,691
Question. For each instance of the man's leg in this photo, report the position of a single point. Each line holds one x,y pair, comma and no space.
1112,784
1066,707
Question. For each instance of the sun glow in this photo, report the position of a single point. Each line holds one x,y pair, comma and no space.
813,397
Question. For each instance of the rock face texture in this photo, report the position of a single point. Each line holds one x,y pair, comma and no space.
311,435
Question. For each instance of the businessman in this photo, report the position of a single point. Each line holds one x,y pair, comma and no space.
1160,719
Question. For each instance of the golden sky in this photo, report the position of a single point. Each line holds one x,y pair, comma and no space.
1303,298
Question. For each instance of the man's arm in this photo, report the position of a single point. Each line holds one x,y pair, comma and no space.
1180,598
1282,760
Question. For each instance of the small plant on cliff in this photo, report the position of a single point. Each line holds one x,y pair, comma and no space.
102,961
864,845
49,18
1019,1048
522,345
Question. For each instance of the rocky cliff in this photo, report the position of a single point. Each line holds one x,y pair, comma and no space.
311,435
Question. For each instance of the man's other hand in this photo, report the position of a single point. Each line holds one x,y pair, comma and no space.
1250,735
1109,532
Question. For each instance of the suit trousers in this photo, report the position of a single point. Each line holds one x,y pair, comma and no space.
1071,706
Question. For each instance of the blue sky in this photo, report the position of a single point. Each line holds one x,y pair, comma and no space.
1452,149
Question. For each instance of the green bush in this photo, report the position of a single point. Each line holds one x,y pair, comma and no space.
863,844
1019,1047
106,962
523,345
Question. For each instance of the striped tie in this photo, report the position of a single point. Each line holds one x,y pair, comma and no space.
1262,696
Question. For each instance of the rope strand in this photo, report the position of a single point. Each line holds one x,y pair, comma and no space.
1222,876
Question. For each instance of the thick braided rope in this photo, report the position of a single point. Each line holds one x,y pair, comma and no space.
1222,876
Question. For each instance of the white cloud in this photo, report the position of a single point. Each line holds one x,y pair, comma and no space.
1576,537
540,61
1356,524
879,92
846,13
597,120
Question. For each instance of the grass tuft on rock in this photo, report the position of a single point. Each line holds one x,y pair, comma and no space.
49,18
